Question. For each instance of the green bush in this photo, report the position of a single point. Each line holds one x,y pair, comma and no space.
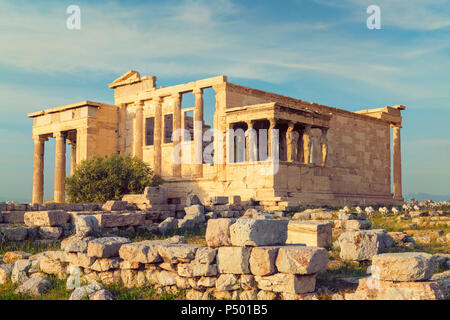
98,180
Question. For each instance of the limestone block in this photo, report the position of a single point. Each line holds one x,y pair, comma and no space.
262,260
443,279
15,234
156,195
114,205
207,282
357,224
50,232
141,252
101,295
82,260
219,200
5,272
227,282
106,247
172,252
113,219
166,278
13,217
205,255
404,266
51,266
195,212
19,272
233,260
86,225
84,292
311,233
289,283
185,270
218,232
203,269
168,224
106,264
370,289
253,232
75,243
266,295
186,223
13,256
192,199
50,218
360,245
247,281
301,260
34,286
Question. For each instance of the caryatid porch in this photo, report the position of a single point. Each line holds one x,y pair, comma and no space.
78,124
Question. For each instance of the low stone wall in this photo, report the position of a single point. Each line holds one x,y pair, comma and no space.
243,259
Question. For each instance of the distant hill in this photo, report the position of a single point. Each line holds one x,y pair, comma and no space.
18,200
419,196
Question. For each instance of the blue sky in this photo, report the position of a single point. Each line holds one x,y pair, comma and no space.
320,51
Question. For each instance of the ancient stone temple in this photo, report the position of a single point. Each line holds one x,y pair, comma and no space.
259,145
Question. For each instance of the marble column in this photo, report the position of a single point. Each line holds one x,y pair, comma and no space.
139,130
60,167
251,143
38,170
292,137
176,166
397,163
73,157
273,150
198,133
122,121
157,135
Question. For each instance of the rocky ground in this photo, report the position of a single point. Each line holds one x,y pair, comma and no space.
361,241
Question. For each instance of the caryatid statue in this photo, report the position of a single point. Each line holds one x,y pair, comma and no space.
292,137
323,140
307,145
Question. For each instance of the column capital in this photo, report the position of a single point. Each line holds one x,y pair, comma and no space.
291,125
139,103
39,138
176,95
273,123
59,135
157,99
197,91
396,125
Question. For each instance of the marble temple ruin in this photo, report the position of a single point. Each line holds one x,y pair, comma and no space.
293,150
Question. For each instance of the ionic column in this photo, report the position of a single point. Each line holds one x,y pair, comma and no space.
176,167
139,131
397,163
198,132
60,167
73,157
157,135
38,170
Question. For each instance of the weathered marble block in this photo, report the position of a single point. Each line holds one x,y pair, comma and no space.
256,232
289,283
218,232
311,233
52,218
301,260
106,247
233,260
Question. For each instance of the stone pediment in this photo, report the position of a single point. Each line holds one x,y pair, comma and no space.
127,78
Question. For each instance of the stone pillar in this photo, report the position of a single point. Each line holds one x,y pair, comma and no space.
270,146
397,163
122,122
176,167
38,170
251,144
60,167
292,137
139,130
198,133
157,135
307,145
73,156
324,146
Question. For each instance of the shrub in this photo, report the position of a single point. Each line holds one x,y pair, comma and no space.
98,180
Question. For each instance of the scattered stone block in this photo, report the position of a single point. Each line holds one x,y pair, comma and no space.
287,283
218,232
167,225
106,247
357,224
227,282
75,243
368,289
233,260
115,205
301,260
262,260
35,286
196,213
192,199
15,234
173,252
13,217
19,273
205,255
51,218
83,293
311,233
114,219
105,264
156,195
360,245
142,252
404,266
266,295
253,232
11,257
219,200
5,272
86,225
101,295
50,232
51,266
